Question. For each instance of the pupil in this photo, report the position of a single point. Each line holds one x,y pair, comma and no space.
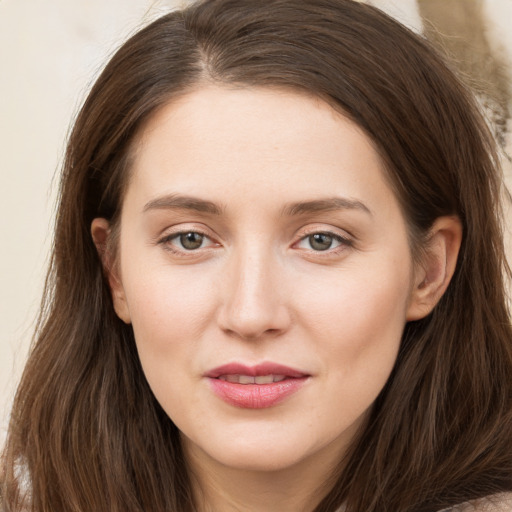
320,241
191,240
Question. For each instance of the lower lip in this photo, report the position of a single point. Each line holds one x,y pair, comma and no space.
256,396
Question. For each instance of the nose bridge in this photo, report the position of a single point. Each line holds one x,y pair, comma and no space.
253,301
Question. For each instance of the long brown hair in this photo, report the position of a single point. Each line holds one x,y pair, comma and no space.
86,432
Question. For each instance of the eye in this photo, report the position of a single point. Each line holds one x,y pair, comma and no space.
322,241
187,241
191,240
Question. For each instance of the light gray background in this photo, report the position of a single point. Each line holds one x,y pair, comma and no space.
49,54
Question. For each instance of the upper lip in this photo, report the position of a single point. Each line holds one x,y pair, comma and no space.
266,368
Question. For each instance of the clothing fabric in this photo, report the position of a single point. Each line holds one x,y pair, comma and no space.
497,503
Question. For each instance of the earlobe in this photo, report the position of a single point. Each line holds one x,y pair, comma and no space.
100,232
435,271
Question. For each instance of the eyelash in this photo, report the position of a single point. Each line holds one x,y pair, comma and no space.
343,242
167,239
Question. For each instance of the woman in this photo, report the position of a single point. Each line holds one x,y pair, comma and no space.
277,279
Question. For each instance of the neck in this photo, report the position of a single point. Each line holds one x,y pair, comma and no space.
298,488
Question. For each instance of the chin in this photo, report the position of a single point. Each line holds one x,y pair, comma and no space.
261,453
260,460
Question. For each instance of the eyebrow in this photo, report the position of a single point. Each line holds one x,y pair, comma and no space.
325,205
177,201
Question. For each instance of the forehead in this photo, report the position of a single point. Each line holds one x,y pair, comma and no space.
262,143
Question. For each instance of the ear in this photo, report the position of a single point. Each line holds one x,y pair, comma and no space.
100,232
433,274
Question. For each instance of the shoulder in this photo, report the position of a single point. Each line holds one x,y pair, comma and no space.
496,503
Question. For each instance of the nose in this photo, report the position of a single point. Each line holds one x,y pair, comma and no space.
253,298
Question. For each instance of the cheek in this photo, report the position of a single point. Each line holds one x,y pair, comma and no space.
169,309
160,291
357,319
169,313
357,328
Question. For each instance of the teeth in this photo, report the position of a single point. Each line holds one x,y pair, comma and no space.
248,379
264,379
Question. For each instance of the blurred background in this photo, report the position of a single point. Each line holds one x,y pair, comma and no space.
51,52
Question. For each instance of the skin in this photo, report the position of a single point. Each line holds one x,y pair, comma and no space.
257,290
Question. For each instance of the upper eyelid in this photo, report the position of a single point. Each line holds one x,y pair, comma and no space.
340,238
171,236
331,230
178,229
326,232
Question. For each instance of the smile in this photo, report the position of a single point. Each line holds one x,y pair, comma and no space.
255,387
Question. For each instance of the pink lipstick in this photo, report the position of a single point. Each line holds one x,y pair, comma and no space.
255,387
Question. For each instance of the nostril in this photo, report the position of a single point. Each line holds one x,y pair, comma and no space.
253,336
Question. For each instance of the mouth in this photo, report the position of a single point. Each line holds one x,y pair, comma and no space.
255,387
248,379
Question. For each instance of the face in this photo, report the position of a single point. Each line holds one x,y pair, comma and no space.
265,267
